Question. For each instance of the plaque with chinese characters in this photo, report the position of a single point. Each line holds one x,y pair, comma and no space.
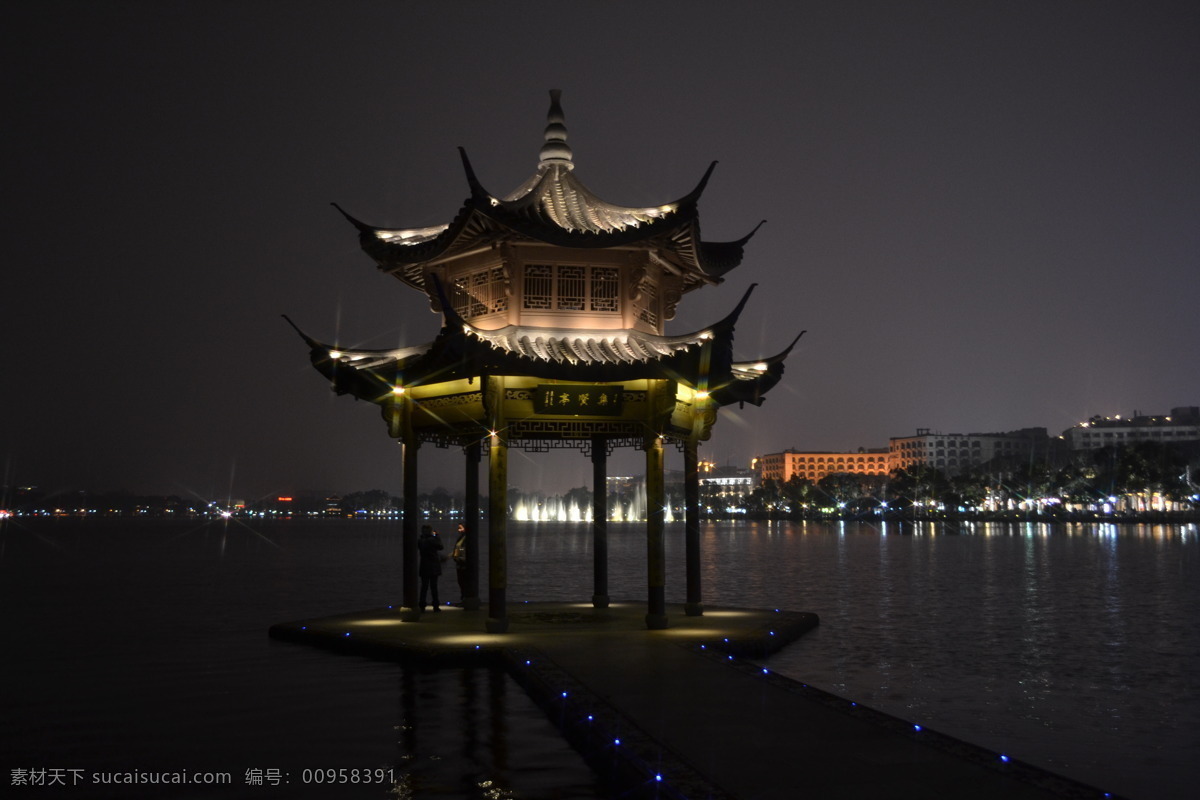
591,400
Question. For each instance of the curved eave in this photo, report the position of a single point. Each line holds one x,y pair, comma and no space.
717,258
581,347
366,374
751,380
556,198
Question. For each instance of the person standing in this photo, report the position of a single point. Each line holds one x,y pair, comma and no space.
429,566
459,554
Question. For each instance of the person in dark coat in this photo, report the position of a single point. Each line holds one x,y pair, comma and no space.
429,566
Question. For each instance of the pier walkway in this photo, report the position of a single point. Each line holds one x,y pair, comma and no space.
686,712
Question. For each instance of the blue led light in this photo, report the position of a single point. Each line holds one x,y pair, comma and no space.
726,639
854,705
916,727
730,658
766,671
303,627
590,718
564,694
1004,758
703,647
616,741
347,633
658,777
476,647
771,632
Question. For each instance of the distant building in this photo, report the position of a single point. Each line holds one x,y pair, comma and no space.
814,465
954,453
1180,426
721,487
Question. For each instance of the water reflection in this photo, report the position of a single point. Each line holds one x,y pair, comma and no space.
472,733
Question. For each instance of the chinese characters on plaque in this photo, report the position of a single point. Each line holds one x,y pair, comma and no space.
590,400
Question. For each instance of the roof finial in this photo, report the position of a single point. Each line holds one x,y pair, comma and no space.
556,150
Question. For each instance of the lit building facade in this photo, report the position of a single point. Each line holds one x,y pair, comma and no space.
815,465
953,453
725,487
1180,426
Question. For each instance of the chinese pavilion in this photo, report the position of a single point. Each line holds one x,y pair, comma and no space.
553,303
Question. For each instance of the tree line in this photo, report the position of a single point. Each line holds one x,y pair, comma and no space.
1135,478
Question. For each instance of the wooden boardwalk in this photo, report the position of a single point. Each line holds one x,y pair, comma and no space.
686,712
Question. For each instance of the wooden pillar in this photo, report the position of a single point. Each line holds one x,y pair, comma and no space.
412,518
694,607
471,519
497,619
656,556
599,522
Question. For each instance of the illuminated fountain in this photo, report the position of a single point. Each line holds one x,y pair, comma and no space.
551,509
627,508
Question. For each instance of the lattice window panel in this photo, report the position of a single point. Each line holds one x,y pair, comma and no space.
572,288
498,298
648,311
460,296
479,293
605,287
539,286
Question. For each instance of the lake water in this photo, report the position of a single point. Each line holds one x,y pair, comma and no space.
136,646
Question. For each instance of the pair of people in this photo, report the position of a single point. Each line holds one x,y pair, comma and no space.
429,565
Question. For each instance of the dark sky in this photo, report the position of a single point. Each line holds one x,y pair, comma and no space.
986,214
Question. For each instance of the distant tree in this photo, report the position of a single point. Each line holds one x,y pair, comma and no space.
800,494
373,501
841,488
767,497
439,502
580,496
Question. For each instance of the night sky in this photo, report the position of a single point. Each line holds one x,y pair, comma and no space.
986,214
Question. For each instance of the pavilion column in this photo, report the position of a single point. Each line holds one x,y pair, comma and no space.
412,517
656,556
599,522
472,453
497,619
694,607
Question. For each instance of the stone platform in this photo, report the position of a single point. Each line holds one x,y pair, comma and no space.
685,712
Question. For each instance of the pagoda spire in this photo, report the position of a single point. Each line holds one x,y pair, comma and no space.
555,150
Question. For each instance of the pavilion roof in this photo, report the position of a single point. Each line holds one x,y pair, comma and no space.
554,206
702,359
